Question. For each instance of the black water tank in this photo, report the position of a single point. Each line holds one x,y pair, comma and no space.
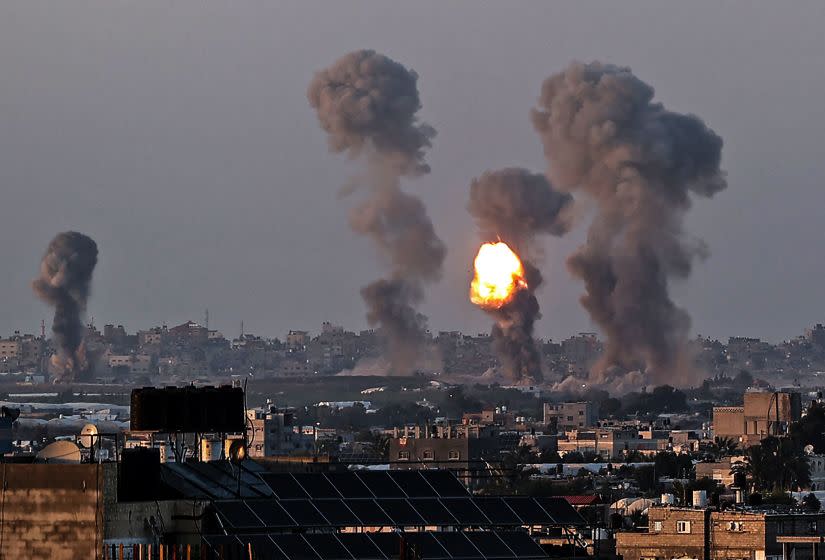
138,478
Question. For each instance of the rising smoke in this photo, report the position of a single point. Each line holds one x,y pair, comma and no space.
604,136
368,103
514,205
64,282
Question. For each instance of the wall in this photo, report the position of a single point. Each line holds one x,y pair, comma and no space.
667,543
51,511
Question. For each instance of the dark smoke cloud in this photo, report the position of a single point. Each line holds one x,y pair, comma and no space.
514,205
604,136
368,104
64,282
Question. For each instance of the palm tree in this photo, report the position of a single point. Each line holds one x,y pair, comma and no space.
775,464
726,445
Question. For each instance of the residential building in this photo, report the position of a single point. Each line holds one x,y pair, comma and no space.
610,442
676,532
762,414
571,415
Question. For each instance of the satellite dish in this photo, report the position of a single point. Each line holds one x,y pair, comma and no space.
88,436
59,452
237,451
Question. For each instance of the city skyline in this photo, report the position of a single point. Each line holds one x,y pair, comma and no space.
203,195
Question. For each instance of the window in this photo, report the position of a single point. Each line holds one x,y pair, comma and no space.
657,526
812,527
736,526
454,455
683,526
569,418
403,455
428,455
581,413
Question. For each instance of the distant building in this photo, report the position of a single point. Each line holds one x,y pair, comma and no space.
610,443
763,414
297,340
720,470
571,415
466,450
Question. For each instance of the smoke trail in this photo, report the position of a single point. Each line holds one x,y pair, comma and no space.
515,205
604,136
367,104
64,282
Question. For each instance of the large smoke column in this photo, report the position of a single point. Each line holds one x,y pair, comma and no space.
64,282
605,137
514,205
367,103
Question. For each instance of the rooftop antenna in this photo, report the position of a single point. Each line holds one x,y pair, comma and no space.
241,329
42,328
207,318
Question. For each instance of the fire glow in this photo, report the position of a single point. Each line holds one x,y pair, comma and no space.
498,275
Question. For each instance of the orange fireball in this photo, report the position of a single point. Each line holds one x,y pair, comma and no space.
498,275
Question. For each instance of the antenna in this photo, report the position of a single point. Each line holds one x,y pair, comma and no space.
42,328
207,318
241,329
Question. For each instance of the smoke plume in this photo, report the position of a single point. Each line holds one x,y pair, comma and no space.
604,136
514,205
64,282
368,104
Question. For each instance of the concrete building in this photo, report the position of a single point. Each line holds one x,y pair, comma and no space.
763,414
297,340
466,450
720,471
571,415
610,443
701,533
10,349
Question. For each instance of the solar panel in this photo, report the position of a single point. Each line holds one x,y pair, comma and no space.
238,515
304,513
380,484
316,485
295,547
522,545
284,486
445,483
251,480
264,548
433,512
413,484
348,485
222,546
465,511
528,510
271,513
497,511
369,513
561,511
337,513
327,546
388,543
360,546
458,545
490,544
425,546
401,512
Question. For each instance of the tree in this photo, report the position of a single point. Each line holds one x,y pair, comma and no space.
775,464
811,503
810,430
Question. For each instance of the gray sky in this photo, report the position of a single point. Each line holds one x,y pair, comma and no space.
178,135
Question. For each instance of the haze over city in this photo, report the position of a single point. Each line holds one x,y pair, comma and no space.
183,143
